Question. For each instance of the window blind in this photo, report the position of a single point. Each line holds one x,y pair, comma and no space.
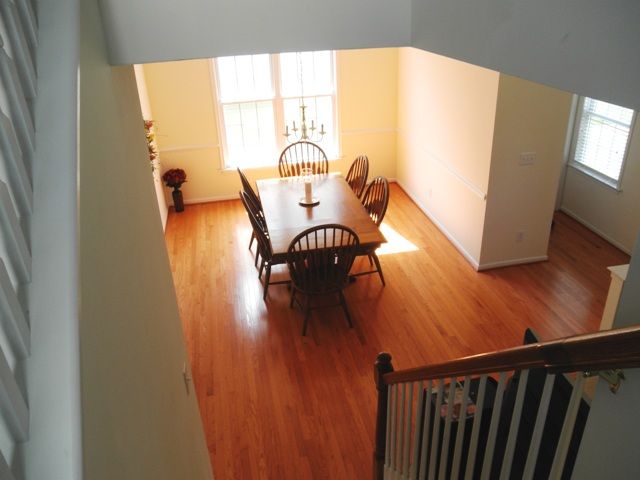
603,135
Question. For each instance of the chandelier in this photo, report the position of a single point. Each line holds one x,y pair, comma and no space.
303,132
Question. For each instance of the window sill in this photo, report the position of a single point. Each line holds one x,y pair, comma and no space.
598,177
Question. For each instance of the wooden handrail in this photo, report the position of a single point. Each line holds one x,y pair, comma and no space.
619,348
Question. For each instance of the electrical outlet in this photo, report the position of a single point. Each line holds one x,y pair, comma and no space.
527,158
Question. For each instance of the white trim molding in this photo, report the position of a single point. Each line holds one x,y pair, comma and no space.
217,198
368,131
452,170
184,148
474,262
596,230
510,263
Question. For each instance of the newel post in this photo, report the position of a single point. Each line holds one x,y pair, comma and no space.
380,367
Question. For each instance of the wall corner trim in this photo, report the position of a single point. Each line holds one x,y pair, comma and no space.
474,263
596,230
509,263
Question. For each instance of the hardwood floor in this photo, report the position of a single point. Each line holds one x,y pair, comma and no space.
278,405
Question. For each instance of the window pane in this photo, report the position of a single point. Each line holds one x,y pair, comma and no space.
603,135
313,69
244,77
250,134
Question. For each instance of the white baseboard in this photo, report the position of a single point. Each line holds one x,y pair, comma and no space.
441,227
219,198
596,230
509,263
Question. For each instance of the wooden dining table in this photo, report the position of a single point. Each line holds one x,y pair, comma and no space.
285,218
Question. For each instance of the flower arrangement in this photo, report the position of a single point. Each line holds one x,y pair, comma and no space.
150,134
174,178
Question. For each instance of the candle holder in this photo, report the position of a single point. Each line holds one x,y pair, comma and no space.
308,200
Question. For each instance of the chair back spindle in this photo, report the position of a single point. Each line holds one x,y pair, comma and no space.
376,199
300,155
357,175
248,189
319,261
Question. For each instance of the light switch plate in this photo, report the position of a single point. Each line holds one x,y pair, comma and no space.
527,158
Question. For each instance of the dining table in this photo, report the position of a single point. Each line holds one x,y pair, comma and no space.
285,217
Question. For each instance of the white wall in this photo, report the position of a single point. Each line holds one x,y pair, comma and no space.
54,450
139,420
446,112
609,447
529,118
147,114
551,42
588,47
615,215
212,28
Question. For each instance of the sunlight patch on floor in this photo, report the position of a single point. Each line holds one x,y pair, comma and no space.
396,243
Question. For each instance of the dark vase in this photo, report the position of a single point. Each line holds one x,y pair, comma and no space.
178,203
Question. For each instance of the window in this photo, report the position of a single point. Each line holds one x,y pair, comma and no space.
259,94
601,139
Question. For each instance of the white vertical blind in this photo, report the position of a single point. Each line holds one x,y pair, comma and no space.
17,141
603,131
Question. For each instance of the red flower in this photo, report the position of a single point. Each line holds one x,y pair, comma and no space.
174,177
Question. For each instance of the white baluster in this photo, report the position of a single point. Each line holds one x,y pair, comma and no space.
493,428
462,420
475,430
435,440
426,423
413,473
536,437
444,453
567,428
407,432
513,427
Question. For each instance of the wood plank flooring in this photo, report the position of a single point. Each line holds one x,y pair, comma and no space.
277,405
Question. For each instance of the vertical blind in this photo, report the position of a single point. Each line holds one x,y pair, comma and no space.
603,134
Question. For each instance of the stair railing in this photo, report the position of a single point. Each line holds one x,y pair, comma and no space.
495,415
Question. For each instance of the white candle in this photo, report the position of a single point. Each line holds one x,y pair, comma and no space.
308,194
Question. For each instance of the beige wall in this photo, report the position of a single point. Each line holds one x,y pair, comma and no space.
530,117
446,112
147,114
614,215
139,422
183,103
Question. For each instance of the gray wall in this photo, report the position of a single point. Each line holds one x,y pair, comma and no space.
611,213
587,47
610,444
156,30
139,421
54,450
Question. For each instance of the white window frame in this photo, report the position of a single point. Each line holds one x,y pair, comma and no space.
333,152
585,169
